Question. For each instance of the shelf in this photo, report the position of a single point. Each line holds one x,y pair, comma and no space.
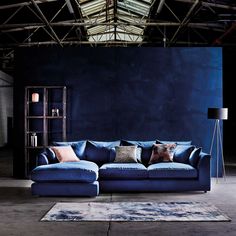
47,117
39,102
38,132
56,102
56,117
38,119
34,117
47,87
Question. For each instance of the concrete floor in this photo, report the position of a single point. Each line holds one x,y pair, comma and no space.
20,212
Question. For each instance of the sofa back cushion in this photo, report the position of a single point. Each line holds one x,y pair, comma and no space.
182,153
99,152
176,142
146,147
51,156
79,149
194,157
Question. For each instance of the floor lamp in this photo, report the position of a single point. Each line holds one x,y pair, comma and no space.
218,114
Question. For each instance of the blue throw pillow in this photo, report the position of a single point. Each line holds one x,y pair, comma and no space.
112,155
146,147
194,157
99,152
177,142
51,156
182,153
79,149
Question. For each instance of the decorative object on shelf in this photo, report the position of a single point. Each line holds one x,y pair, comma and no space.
35,97
218,114
34,140
55,112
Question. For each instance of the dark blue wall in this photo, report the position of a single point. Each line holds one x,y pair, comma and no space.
129,93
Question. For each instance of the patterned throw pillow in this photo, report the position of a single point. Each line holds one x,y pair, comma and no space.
162,153
126,154
65,154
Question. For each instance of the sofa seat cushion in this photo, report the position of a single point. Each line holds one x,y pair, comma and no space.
171,170
82,171
123,171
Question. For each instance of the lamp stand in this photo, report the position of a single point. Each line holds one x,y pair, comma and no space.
219,148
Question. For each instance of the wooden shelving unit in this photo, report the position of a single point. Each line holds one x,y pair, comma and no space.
40,120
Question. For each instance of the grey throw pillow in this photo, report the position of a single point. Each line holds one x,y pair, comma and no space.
126,154
138,154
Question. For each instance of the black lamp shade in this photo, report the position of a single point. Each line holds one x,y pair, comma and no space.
217,113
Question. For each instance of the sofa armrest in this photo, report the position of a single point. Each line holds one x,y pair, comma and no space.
42,159
203,167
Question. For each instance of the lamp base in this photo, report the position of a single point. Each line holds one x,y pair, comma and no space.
219,148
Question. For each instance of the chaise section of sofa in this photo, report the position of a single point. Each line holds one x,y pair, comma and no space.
66,179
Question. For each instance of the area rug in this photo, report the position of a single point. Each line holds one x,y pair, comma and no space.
134,211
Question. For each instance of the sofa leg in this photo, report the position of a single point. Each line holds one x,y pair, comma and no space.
205,191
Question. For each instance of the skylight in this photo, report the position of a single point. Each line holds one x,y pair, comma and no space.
112,19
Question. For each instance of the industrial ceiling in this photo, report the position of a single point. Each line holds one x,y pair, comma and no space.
93,23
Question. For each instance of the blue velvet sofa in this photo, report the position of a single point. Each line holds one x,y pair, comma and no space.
97,172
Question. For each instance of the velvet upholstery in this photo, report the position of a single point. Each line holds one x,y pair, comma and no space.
51,156
123,171
60,179
65,189
194,156
79,149
99,152
42,159
151,185
82,171
176,142
182,153
171,170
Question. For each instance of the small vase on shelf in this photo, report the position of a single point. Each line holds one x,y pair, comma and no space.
55,112
33,140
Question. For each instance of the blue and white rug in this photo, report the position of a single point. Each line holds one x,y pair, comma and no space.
134,211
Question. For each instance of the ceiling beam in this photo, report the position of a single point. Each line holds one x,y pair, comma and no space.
160,6
185,20
226,33
69,24
44,19
210,4
24,4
